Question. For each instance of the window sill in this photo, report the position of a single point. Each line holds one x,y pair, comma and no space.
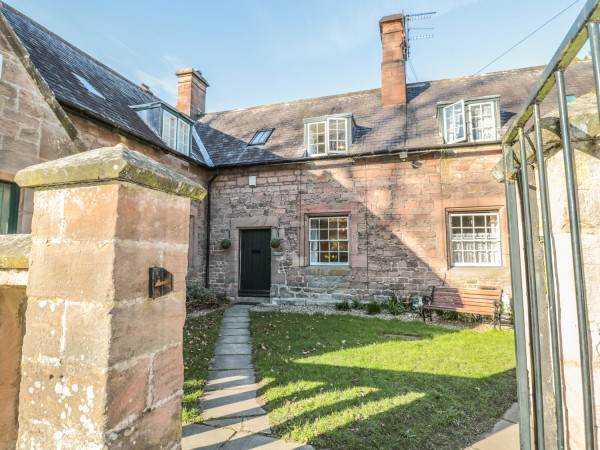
327,270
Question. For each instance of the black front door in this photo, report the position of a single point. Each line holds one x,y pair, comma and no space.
255,263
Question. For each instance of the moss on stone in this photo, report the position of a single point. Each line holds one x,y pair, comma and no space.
117,163
14,251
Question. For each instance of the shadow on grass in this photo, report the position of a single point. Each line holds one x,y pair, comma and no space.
339,383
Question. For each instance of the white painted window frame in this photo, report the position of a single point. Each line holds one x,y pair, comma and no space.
169,129
458,238
311,240
183,137
470,107
326,122
445,111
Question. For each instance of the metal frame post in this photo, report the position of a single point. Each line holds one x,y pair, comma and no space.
543,188
517,295
532,295
582,322
594,37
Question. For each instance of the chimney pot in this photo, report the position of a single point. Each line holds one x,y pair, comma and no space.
393,74
146,89
191,93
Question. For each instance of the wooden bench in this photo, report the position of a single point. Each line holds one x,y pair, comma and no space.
485,302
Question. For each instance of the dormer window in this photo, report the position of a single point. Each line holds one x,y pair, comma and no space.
473,120
328,135
261,136
174,128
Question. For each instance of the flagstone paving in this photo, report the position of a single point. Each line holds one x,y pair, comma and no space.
233,413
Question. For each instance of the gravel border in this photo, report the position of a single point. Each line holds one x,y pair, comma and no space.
203,312
407,317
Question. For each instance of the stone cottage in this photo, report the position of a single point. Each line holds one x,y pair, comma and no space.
368,193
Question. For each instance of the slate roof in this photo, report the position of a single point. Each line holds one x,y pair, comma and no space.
57,61
226,134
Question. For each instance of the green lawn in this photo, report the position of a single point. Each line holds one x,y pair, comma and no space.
336,382
199,336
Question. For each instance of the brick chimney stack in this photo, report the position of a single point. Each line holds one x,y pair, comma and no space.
191,93
393,75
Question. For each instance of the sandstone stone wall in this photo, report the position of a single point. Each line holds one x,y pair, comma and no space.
14,261
397,213
30,131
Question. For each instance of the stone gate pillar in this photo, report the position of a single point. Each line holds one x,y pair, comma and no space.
102,361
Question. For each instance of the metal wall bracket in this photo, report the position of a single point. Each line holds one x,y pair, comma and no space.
160,282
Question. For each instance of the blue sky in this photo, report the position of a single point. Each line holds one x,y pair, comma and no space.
260,52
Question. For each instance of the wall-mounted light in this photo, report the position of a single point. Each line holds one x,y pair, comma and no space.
252,181
403,155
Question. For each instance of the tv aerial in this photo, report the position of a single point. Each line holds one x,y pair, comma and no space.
411,17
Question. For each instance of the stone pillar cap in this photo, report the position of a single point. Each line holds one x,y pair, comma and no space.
14,251
117,163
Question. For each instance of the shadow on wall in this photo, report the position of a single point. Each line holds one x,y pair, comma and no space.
397,224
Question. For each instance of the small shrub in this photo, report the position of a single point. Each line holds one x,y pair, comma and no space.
275,243
357,304
199,297
225,244
373,307
395,306
343,306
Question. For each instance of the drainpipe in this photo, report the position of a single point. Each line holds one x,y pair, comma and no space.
208,228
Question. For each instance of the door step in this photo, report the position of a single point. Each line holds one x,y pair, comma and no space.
251,300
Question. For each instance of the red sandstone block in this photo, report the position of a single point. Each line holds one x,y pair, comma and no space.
144,327
131,264
46,223
167,377
74,271
90,212
127,391
87,334
152,216
159,428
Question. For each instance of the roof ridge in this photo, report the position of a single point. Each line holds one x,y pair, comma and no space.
302,100
67,43
370,91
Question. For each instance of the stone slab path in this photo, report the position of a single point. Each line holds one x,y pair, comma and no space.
233,413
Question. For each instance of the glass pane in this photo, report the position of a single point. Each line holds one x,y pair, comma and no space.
313,235
333,223
321,127
468,257
324,246
333,257
457,257
487,108
479,221
314,246
323,223
323,257
343,245
314,257
333,245
324,234
343,257
455,221
343,233
333,235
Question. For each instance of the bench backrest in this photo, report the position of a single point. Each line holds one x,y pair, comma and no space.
474,301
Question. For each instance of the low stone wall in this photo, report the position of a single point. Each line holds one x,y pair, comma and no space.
14,262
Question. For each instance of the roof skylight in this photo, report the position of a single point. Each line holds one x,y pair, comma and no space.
261,136
86,84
